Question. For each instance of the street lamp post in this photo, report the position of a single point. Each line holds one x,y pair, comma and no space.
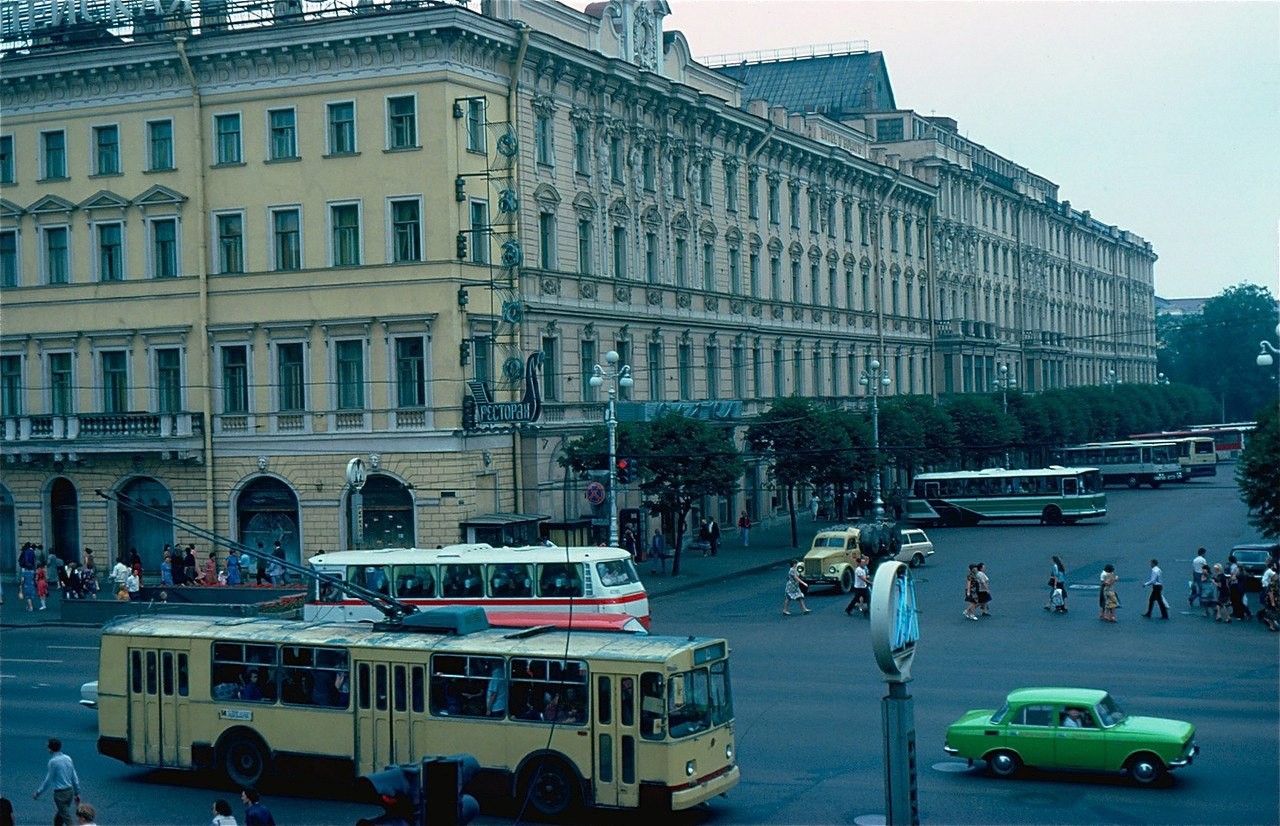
1003,382
873,378
1162,380
1111,380
617,375
1267,351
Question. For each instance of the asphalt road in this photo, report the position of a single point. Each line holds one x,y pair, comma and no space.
807,691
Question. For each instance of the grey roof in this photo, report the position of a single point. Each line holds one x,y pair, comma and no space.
835,85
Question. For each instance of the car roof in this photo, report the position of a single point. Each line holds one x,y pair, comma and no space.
1084,696
1269,547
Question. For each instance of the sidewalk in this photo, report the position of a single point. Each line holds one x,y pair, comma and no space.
770,548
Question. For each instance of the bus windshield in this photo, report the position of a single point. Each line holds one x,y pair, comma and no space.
699,699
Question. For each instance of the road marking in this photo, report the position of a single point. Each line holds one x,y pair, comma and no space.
12,660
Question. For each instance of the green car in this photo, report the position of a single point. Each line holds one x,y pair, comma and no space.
1079,729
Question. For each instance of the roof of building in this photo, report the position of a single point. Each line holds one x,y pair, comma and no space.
1179,306
835,85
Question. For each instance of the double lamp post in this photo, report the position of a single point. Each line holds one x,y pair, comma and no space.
618,375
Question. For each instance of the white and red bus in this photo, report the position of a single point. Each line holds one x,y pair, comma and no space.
534,578
1228,439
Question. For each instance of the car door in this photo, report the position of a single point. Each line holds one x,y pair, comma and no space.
1082,746
1031,734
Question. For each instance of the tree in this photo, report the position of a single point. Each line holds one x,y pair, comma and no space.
850,455
983,430
1258,473
793,437
683,460
916,433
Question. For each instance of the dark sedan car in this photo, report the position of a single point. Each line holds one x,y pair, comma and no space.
1253,559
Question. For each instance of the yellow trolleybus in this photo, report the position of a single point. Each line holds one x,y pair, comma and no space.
559,718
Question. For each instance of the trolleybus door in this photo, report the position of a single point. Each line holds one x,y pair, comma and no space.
390,711
616,732
159,687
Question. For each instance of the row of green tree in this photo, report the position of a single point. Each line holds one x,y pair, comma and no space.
680,460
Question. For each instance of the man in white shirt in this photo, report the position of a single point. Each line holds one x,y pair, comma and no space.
861,589
1197,576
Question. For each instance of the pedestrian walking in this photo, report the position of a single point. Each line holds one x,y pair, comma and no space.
1198,582
166,569
984,588
210,574
28,590
222,814
1235,579
704,537
861,589
971,593
189,573
260,565
133,585
1156,583
275,568
795,588
1108,599
119,573
63,780
233,567
814,503
255,811
1222,587
42,587
1057,582
744,529
658,550
713,536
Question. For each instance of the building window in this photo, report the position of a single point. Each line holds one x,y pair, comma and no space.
731,189
757,371
542,127
648,168
735,271
228,147
704,183
889,129
581,151
53,154
775,277
794,206
164,248
894,297
110,238
342,128
480,232
115,381
708,267
682,262
795,280
906,241
547,240
863,227
230,230
57,263
8,258
406,230
587,362
11,385
866,292
651,257
283,128
169,379
753,196
344,235
290,378
584,246
797,371
349,364
684,369
813,211
677,176
775,202
7,175
655,371
713,372
753,274
848,222
482,365
286,234
160,145
818,374
815,286
411,372
402,122
623,348
106,150
61,385
619,252
235,380
833,286
615,159
893,238
848,290
550,370
738,357
779,373
476,141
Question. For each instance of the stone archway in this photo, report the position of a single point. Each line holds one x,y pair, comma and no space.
387,514
64,519
147,530
8,531
267,512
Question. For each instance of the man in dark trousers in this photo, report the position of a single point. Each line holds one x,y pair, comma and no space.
1156,583
261,561
64,781
713,535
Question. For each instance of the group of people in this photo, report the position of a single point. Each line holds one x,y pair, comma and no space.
1221,591
39,574
977,591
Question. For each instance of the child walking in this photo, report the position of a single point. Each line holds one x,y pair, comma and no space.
42,587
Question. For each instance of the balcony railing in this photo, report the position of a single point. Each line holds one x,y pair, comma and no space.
104,433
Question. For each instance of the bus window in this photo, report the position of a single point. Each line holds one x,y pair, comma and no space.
362,687
1069,487
415,581
400,696
689,702
932,490
616,572
550,691
460,684
560,579
462,581
327,592
244,672
380,687
652,706
510,580
166,674
151,672
373,577
604,700
627,713
135,672
184,687
418,689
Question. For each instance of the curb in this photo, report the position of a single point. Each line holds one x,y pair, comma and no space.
711,580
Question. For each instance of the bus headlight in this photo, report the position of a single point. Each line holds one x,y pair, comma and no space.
728,751
691,767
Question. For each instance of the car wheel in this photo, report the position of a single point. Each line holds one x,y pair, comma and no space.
1004,763
846,580
1145,769
917,560
1132,482
1051,515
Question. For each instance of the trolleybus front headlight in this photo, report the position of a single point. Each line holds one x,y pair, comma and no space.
728,751
691,767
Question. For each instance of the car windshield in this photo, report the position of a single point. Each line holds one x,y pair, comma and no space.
1000,713
1108,712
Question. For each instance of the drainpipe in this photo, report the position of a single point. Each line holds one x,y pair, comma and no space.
202,259
513,92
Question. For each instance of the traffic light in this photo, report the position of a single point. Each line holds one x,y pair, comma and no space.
462,246
445,791
625,471
398,790
460,188
464,352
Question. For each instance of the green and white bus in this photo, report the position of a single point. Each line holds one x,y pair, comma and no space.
1132,463
1054,495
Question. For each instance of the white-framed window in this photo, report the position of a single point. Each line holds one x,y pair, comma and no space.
60,369
163,253
657,371
619,252
228,234
344,234
159,145
55,254
234,369
228,139
53,155
109,258
682,261
713,371
410,358
106,149
775,202
404,216
543,134
402,122
114,380
547,240
8,172
286,237
479,232
291,376
12,394
10,258
731,188
585,233
581,149
587,362
708,266
476,123
340,117
651,257
167,380
349,374
735,271
775,277
753,273
282,134
684,370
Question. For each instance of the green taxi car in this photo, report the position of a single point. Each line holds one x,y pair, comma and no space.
1077,729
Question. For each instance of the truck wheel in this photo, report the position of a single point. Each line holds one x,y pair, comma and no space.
846,580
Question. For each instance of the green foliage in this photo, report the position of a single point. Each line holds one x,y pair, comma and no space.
1258,473
590,451
915,433
796,438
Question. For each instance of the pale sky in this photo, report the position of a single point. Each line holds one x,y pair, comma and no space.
1162,118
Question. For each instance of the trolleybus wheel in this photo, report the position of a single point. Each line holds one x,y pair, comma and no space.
550,787
1132,482
244,758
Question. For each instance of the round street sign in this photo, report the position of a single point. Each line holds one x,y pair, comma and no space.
595,493
356,474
